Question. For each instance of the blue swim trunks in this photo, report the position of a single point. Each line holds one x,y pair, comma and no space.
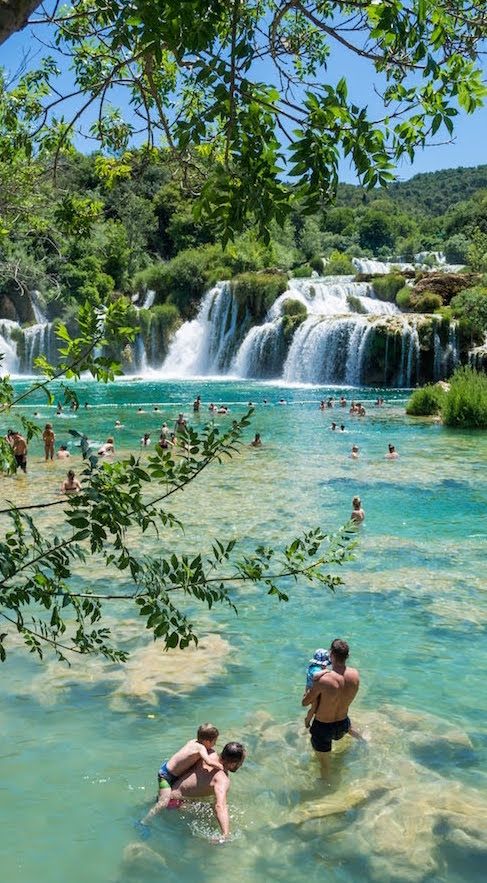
165,778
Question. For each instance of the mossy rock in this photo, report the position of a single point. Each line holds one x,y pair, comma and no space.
256,292
446,285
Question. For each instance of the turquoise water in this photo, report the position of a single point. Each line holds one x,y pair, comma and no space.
80,747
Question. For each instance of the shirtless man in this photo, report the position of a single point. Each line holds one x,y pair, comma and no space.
19,448
335,690
204,781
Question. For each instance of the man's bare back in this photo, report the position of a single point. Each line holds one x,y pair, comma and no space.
337,692
331,695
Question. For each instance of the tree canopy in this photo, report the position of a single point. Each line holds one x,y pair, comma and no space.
236,93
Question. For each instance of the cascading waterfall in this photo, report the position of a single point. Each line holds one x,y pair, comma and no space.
10,364
207,344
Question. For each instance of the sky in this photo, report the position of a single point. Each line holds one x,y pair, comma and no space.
466,149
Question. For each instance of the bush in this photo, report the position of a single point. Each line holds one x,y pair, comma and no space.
470,306
302,271
317,265
258,291
426,402
339,264
356,304
428,303
293,307
466,403
386,287
403,298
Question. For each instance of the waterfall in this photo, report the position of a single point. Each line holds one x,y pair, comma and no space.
262,352
451,358
369,267
207,344
410,355
326,350
10,364
330,296
437,354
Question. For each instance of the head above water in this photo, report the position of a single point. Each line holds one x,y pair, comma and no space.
339,650
391,448
233,755
356,503
71,474
207,733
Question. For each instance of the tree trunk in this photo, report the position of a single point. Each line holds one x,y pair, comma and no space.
14,15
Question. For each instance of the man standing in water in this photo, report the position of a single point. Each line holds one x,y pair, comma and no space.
205,781
335,691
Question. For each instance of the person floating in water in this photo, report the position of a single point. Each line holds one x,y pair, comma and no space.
392,454
257,442
205,781
317,665
107,449
48,438
334,692
201,748
358,513
70,484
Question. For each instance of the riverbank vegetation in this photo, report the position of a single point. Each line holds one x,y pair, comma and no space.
463,404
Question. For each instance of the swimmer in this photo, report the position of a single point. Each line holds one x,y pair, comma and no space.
282,402
317,665
70,484
334,692
212,407
265,402
333,426
36,414
145,440
86,405
156,408
119,425
392,455
48,438
322,405
342,427
257,442
355,452
329,403
197,404
107,450
63,453
358,513
180,424
201,748
140,411
223,409
343,402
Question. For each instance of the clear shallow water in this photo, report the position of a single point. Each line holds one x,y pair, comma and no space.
80,747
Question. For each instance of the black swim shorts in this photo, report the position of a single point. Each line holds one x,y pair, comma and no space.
322,735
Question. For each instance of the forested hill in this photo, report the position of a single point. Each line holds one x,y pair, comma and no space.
431,193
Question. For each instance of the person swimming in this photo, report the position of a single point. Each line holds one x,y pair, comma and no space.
392,454
257,442
355,452
70,484
358,513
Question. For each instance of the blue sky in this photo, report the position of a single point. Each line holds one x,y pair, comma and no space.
466,149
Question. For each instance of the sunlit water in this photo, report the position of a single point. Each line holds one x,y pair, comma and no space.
80,747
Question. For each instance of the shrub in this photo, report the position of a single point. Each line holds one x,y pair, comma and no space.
355,304
403,298
258,291
428,302
317,265
386,287
302,271
293,307
426,402
339,264
466,403
470,306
